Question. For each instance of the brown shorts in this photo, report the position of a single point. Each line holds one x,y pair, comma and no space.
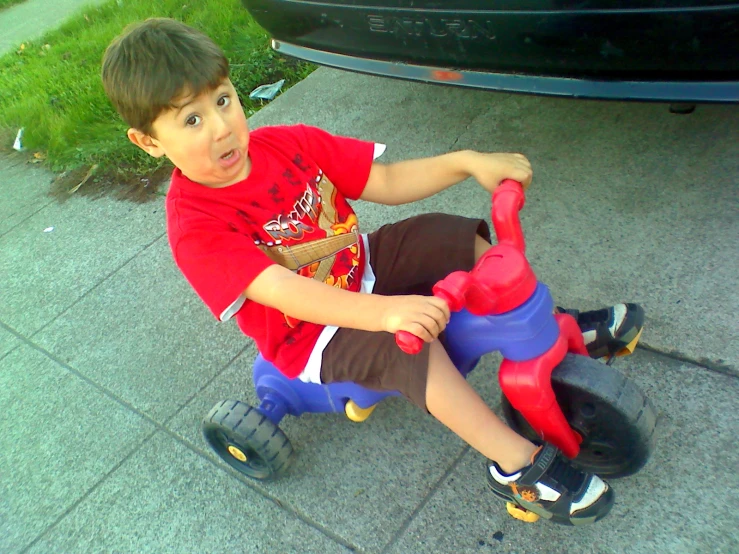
407,257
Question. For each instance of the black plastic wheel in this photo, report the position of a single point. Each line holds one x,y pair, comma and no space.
247,440
609,411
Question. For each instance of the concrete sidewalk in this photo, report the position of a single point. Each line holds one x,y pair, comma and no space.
30,19
108,361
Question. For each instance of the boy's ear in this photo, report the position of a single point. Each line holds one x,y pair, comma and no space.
145,142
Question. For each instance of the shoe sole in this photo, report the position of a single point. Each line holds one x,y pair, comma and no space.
603,510
626,344
629,348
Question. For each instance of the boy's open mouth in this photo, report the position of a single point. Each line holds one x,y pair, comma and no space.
230,158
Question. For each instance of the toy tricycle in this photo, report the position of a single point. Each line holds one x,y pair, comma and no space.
551,389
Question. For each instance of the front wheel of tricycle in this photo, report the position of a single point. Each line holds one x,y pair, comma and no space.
614,418
247,440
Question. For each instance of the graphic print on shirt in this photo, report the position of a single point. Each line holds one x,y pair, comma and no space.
316,259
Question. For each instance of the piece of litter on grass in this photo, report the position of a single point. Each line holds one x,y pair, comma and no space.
267,92
48,229
18,142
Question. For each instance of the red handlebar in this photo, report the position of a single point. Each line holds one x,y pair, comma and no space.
508,198
408,342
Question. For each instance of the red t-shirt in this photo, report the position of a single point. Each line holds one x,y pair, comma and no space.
291,210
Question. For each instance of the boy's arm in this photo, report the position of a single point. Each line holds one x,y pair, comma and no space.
408,181
309,300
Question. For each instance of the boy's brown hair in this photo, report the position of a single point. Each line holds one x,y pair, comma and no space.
153,63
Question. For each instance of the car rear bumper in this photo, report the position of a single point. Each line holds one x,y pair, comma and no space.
494,45
667,91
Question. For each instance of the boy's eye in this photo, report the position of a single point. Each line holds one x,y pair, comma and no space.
224,100
192,120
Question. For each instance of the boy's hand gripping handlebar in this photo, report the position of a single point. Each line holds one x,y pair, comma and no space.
501,279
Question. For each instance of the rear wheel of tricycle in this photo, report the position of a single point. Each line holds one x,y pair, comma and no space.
614,418
247,440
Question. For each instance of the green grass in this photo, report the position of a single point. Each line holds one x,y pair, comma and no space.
7,3
51,87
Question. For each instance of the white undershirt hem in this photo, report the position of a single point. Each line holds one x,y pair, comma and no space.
312,371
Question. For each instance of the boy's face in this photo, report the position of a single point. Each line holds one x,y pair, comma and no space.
205,136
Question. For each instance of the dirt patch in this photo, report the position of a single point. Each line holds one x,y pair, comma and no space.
93,183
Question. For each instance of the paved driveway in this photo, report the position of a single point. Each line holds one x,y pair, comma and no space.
108,361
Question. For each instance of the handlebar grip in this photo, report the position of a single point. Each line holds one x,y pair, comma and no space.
408,342
508,199
510,185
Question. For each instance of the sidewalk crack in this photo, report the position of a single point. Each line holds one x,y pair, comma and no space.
716,366
267,495
435,487
86,495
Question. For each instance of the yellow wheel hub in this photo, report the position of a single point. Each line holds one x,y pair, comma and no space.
355,413
236,453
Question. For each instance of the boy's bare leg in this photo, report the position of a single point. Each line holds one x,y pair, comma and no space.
451,400
481,246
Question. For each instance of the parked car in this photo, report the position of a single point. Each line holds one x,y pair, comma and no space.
667,50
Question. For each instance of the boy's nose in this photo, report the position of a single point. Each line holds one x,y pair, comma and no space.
222,130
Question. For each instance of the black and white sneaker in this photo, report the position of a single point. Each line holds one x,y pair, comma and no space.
551,488
611,331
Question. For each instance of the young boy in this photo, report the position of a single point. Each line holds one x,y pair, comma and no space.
259,224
